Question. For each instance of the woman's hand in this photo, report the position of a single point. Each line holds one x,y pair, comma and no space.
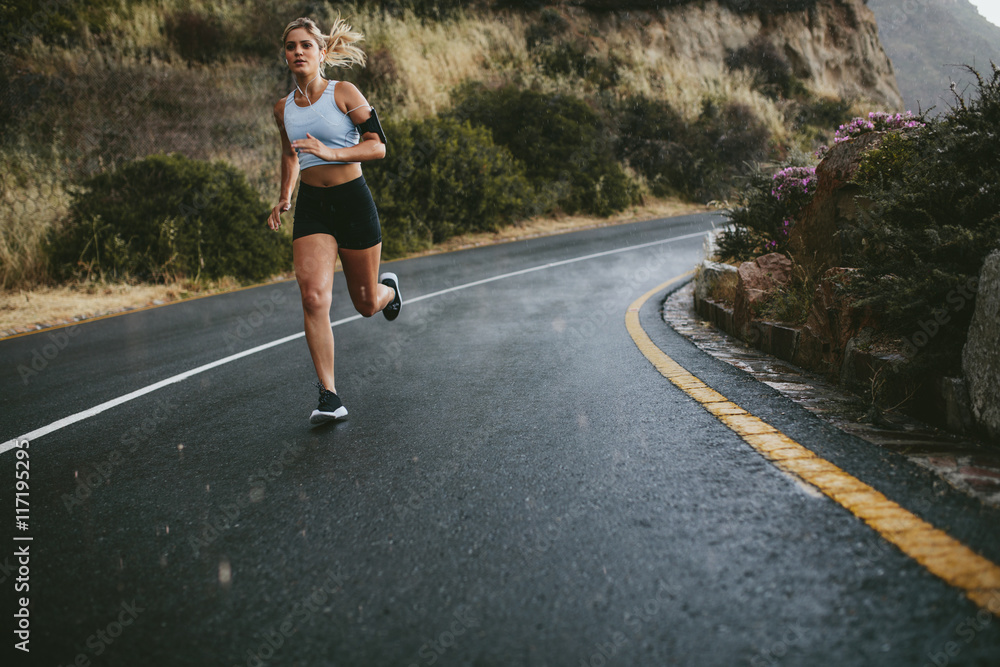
313,145
274,220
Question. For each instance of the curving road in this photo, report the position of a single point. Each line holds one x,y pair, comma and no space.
516,484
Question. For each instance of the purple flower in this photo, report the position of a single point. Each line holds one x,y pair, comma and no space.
876,121
791,181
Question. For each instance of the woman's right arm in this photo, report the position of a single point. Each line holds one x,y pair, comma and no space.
289,169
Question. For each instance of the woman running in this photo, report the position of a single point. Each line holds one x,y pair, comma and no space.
327,130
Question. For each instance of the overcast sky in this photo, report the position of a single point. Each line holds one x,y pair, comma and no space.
990,9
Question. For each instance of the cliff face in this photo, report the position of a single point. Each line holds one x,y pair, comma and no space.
929,40
832,45
836,45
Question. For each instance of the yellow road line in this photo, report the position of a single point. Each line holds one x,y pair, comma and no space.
941,554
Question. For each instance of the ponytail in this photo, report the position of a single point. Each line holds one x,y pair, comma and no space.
340,46
341,50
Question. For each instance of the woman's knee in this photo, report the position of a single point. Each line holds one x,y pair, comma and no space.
366,306
315,301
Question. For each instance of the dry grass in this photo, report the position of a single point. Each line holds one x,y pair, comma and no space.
130,94
28,310
431,58
723,290
548,225
32,197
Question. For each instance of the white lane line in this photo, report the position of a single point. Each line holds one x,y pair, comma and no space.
107,405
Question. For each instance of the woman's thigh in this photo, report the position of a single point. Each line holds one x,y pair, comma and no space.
361,273
315,260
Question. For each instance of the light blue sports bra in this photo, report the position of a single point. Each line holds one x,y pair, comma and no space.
324,120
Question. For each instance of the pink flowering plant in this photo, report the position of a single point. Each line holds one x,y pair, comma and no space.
764,220
877,121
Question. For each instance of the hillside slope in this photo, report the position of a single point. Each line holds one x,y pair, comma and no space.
929,40
131,79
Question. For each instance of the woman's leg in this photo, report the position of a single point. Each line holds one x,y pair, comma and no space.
315,258
361,273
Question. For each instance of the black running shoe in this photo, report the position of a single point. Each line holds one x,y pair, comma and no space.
330,408
391,311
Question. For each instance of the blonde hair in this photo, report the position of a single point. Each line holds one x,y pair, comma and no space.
339,44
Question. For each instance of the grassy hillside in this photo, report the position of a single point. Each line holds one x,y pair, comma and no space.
929,40
88,87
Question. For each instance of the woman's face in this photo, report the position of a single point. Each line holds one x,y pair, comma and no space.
302,52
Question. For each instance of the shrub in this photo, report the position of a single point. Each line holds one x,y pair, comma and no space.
655,141
53,22
168,216
564,144
766,214
772,73
441,178
697,161
550,25
205,33
813,118
933,214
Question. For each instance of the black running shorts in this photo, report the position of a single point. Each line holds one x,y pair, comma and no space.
346,211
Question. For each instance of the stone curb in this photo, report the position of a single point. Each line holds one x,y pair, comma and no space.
967,465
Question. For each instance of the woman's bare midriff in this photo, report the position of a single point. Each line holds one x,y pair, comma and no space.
328,175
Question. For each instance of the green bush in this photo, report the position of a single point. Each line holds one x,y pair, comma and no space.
549,26
655,141
167,216
52,21
764,218
567,147
764,7
771,71
206,33
441,178
698,161
932,215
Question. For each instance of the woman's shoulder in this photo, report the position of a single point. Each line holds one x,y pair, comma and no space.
279,106
348,96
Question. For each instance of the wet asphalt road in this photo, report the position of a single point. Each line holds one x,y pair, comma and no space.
515,484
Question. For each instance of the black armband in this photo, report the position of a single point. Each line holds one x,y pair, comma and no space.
372,125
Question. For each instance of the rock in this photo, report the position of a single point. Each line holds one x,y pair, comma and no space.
754,280
709,274
957,410
831,45
817,241
981,354
833,321
851,375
